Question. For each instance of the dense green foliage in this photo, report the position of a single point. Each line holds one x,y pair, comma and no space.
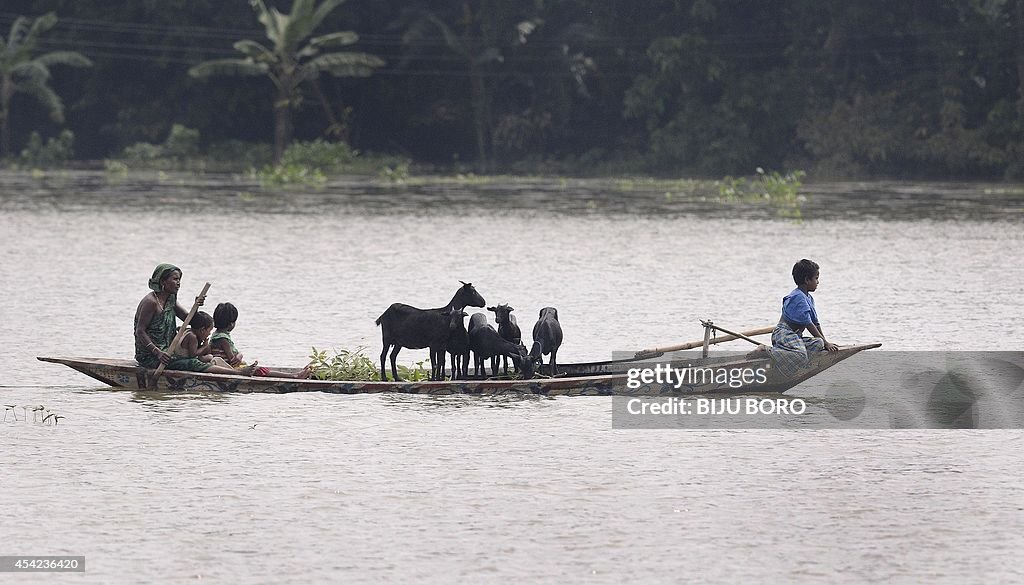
52,153
780,191
353,365
25,69
923,88
293,58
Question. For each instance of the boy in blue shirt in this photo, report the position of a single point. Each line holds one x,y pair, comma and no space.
789,350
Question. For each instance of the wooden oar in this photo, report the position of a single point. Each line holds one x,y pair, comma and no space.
181,333
659,351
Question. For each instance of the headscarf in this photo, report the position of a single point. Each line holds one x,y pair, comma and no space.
158,275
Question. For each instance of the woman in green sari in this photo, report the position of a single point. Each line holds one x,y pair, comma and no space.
155,324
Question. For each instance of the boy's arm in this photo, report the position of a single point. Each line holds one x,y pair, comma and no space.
815,330
189,345
203,350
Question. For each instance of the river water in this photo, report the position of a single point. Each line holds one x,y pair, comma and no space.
308,488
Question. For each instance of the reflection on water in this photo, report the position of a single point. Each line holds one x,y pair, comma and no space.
311,488
169,399
455,402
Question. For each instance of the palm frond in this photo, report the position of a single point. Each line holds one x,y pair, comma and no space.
330,40
345,64
19,28
235,67
301,13
322,11
42,24
298,27
307,51
30,72
335,39
47,97
304,18
24,29
255,51
24,36
69,58
268,17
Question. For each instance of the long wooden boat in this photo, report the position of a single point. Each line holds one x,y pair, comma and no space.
126,374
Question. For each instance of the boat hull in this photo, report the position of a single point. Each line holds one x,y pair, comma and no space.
128,375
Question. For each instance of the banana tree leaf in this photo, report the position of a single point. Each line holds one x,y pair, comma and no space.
237,67
346,64
255,51
69,58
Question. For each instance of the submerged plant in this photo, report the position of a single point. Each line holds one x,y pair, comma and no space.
283,175
115,169
780,191
319,154
399,173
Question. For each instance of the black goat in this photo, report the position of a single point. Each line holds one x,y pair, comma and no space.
406,326
458,345
508,329
477,321
547,338
487,343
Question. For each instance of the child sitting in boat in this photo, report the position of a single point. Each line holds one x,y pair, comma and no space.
790,351
194,355
222,346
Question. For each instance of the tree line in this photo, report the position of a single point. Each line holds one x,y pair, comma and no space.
915,89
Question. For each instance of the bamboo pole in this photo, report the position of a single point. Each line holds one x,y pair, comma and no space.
658,351
181,333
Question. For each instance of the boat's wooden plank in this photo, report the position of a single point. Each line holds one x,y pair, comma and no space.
127,374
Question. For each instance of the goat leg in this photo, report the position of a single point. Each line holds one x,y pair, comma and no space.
442,368
394,368
384,361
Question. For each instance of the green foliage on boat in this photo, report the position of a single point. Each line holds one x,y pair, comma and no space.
347,364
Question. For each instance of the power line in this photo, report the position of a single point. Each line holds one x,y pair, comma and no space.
133,27
592,40
192,54
195,54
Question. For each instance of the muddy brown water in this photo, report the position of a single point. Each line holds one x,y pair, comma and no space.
308,488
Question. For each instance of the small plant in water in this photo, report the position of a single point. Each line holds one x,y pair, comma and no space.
399,173
778,190
116,170
291,174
